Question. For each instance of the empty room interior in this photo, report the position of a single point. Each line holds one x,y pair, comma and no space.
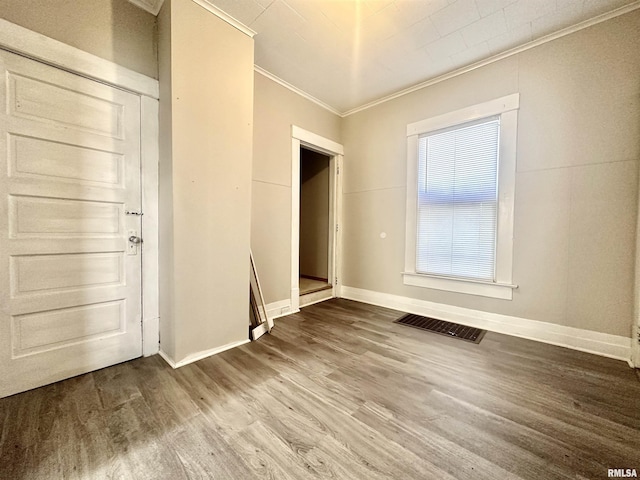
292,239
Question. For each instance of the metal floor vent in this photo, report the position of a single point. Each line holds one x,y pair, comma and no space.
449,329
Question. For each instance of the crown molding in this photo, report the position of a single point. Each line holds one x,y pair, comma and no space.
154,6
151,6
226,17
514,51
460,71
300,92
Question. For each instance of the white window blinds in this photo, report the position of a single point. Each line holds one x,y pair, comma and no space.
457,200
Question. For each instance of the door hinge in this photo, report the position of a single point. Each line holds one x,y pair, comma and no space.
337,169
336,282
336,227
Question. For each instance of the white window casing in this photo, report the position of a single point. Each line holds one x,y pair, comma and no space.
501,285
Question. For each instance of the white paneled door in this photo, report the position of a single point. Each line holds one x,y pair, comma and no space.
70,286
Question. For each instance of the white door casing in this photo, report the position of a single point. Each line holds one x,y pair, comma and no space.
335,151
70,282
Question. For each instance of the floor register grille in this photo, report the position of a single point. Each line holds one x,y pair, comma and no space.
462,332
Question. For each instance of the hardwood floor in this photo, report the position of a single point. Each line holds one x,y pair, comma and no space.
336,391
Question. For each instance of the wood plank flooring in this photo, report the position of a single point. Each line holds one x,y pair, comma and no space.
312,285
336,391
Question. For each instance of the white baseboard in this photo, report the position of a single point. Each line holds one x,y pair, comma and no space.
281,308
275,310
606,345
258,331
194,357
167,358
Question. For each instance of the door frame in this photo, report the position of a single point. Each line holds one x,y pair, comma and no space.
335,151
634,361
24,42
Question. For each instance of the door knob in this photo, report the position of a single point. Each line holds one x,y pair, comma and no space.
134,239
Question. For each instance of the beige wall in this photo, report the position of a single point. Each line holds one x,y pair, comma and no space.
275,110
576,185
314,214
112,29
165,190
205,181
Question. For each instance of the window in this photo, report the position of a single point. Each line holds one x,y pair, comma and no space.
460,193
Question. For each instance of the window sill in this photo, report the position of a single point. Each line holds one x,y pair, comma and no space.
502,291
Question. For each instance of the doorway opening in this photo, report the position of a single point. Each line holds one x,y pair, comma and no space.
315,222
315,216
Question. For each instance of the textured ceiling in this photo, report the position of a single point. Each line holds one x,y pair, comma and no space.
347,53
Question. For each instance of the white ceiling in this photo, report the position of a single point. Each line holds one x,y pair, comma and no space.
347,53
